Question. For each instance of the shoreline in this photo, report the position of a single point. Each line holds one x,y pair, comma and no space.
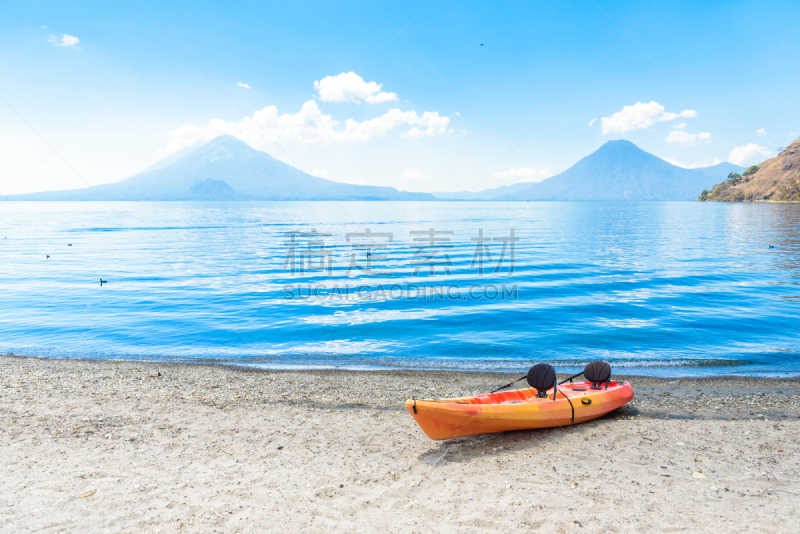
126,446
245,365
722,397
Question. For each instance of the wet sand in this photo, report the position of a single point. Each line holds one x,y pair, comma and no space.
101,446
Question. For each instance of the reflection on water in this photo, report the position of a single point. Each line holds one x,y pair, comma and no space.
665,288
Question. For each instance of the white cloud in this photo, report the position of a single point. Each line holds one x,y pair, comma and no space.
523,174
413,174
592,121
640,116
687,113
432,124
695,165
679,126
241,84
66,40
308,126
680,137
761,131
320,173
458,113
746,154
350,87
792,134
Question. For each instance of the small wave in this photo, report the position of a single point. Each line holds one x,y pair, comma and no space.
139,228
357,317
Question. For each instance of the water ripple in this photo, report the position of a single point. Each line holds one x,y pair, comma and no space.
669,288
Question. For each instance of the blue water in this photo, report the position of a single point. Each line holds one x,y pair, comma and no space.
660,288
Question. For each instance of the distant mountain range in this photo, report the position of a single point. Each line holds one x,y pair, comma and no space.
226,168
618,170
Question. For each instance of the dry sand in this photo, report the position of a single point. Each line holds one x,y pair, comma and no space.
114,447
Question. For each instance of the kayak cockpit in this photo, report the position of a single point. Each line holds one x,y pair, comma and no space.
529,394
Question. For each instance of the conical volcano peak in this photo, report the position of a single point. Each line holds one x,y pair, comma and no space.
621,148
227,141
619,144
619,170
227,146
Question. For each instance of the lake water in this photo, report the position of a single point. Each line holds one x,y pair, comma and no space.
660,288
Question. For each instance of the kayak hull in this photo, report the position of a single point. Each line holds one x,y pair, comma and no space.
516,410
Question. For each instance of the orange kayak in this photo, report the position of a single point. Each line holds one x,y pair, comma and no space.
519,409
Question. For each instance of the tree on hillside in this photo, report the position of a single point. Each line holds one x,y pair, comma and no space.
751,171
735,178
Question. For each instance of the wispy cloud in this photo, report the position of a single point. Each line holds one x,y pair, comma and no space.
350,87
242,84
66,40
695,165
640,116
746,154
680,137
761,131
592,121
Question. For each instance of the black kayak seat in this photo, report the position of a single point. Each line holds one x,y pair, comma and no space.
598,372
542,377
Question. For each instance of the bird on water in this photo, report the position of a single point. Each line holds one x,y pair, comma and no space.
103,282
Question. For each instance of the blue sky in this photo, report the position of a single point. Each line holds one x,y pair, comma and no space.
694,83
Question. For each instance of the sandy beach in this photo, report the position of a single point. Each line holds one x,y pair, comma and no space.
91,446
